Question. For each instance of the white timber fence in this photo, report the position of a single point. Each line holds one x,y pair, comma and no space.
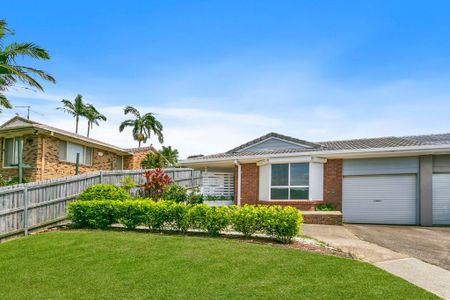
24,207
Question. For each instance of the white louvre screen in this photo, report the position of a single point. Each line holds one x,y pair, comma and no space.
218,184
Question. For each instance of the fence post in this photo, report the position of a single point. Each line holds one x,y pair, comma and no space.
25,210
101,176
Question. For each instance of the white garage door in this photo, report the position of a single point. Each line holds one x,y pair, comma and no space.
380,199
441,199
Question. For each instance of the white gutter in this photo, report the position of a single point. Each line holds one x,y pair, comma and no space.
238,182
340,153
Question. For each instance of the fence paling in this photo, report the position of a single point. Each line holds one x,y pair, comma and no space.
30,205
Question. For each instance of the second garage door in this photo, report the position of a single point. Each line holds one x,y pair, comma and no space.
441,199
380,199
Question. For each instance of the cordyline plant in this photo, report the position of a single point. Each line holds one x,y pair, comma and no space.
156,181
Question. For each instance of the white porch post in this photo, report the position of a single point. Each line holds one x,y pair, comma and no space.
238,182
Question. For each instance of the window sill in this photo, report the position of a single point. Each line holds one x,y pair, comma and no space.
72,163
294,201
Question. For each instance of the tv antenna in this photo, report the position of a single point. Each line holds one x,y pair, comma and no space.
27,107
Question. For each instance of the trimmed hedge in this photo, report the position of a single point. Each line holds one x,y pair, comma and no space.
104,192
281,223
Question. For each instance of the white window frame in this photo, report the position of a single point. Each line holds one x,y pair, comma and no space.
289,186
14,151
84,154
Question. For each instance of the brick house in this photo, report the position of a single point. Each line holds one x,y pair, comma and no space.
51,152
391,180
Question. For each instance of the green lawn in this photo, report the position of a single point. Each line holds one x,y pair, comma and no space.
130,265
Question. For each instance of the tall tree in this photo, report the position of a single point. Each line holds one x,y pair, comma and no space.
11,72
76,108
93,116
142,125
170,154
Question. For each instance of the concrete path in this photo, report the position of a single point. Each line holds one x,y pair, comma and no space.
422,274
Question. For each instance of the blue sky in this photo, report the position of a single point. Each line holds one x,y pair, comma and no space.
219,73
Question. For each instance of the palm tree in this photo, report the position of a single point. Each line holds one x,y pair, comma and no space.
143,125
170,154
93,116
76,108
11,72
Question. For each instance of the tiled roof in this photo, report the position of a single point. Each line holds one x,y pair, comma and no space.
141,149
274,135
355,144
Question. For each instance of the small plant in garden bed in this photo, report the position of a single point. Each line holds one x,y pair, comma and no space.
156,181
175,192
325,207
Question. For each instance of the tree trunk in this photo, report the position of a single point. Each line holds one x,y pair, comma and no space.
89,127
76,124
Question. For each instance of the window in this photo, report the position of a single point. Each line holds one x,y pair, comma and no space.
289,181
68,152
11,153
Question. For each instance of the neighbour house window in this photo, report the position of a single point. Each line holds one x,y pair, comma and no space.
11,151
289,181
68,152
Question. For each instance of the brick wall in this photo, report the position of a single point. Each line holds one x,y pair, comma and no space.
30,157
133,162
42,152
332,187
332,183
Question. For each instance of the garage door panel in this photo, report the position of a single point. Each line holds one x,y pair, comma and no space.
441,199
383,199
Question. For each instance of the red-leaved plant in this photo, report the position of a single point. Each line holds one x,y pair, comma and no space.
156,182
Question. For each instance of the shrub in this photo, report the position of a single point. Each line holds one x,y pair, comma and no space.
158,214
127,183
195,198
132,213
104,192
211,219
325,207
174,192
93,214
283,223
179,217
248,219
156,181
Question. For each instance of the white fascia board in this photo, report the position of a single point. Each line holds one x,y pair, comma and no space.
298,159
361,153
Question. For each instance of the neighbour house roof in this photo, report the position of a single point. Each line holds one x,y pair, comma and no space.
18,123
328,146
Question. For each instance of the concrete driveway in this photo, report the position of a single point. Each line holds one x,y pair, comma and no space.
399,250
430,244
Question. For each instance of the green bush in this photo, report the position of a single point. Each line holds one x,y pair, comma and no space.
248,219
93,214
325,207
174,192
211,219
179,216
283,223
132,213
158,214
104,192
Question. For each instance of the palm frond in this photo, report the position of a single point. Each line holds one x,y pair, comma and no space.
126,123
132,110
4,102
25,49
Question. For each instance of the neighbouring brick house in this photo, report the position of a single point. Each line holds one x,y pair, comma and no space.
51,152
390,180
